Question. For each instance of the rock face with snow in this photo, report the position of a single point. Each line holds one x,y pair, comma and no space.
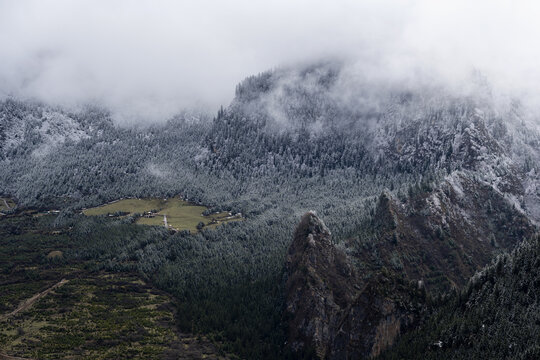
442,235
481,199
437,238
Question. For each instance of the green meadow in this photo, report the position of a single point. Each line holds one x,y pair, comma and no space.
180,214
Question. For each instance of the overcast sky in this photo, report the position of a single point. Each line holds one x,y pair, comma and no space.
146,60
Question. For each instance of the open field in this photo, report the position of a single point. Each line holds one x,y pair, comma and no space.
131,206
180,214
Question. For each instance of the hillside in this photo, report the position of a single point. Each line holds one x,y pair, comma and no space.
494,316
418,185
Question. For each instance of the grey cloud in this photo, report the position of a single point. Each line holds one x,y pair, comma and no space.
147,60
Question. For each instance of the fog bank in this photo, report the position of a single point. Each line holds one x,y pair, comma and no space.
147,60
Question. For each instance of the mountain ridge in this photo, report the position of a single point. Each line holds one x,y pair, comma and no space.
419,185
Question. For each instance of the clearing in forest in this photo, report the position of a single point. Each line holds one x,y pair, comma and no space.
179,214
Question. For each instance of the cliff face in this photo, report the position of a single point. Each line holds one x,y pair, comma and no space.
321,284
382,310
443,234
332,312
354,305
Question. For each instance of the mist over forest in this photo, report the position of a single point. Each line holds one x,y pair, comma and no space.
255,180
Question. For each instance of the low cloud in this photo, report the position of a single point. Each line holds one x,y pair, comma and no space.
147,60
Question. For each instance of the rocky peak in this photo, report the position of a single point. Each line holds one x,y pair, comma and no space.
318,287
332,313
311,228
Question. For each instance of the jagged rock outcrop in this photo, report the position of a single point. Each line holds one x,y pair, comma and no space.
444,234
320,286
387,306
332,312
433,242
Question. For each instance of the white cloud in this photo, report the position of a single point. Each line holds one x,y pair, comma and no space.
149,59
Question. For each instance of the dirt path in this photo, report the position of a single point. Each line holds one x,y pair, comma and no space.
6,204
29,302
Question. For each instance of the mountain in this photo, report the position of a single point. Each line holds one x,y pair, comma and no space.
435,242
436,235
354,304
37,130
420,185
332,312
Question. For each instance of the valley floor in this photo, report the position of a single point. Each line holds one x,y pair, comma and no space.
52,307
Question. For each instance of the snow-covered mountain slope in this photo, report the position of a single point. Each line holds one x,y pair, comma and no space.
418,185
37,129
